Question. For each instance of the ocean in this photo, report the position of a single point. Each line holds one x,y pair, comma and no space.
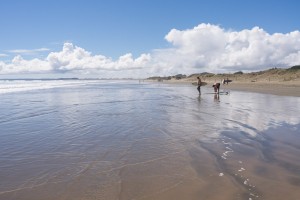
106,139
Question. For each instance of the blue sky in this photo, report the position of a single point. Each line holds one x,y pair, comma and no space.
32,29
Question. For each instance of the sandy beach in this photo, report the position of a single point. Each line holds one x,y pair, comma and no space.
276,88
283,82
291,89
274,81
149,100
124,140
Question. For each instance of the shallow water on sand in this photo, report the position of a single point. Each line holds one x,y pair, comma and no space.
130,140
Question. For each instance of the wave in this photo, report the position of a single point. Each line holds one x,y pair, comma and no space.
12,86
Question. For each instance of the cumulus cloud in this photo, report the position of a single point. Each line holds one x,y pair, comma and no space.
20,65
212,48
205,47
73,58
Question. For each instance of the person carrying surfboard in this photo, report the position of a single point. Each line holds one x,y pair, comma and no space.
199,84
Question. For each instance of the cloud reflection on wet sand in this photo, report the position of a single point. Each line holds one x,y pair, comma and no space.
127,140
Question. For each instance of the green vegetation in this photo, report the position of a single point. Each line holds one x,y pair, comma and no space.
239,72
296,67
159,78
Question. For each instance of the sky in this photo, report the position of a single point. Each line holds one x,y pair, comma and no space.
142,38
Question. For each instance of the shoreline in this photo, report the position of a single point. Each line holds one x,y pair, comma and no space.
266,88
275,88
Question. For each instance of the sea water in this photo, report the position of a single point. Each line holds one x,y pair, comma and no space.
92,139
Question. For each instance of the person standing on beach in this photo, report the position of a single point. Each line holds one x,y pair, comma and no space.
199,84
216,87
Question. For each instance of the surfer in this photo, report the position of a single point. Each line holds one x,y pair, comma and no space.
216,87
199,84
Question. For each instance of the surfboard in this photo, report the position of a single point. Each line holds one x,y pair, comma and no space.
226,93
202,83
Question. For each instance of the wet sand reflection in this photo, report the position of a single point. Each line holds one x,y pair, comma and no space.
148,141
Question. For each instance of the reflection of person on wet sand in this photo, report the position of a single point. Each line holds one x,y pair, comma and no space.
199,84
217,97
199,98
216,87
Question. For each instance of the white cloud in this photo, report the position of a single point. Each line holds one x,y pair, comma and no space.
28,51
3,55
76,58
205,47
211,48
20,65
73,58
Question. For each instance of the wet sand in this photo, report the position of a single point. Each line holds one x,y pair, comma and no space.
148,141
266,88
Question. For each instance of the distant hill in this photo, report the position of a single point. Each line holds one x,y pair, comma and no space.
297,67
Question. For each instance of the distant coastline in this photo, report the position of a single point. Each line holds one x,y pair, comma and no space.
36,79
56,79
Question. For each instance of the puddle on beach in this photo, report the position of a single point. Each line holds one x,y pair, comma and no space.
127,140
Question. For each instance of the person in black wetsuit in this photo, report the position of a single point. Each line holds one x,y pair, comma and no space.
199,84
216,87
